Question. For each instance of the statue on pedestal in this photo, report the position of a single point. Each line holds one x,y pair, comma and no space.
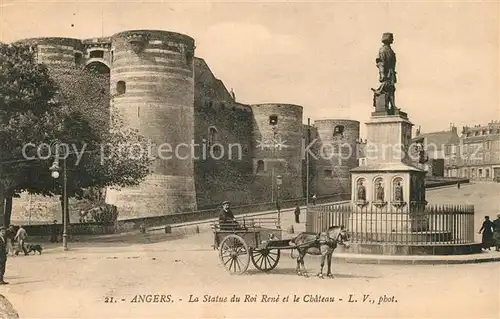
384,95
361,192
380,192
398,192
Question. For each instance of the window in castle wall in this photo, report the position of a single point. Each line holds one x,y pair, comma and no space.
112,56
96,54
273,120
78,58
328,173
338,130
260,166
212,136
487,173
121,87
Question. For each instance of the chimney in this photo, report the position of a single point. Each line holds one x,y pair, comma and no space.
232,95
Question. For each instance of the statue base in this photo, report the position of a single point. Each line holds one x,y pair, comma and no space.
381,104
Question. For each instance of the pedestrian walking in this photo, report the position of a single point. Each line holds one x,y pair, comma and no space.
496,233
487,231
11,235
314,199
458,185
297,214
3,254
54,238
21,238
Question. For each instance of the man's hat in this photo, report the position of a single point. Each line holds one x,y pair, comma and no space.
225,202
387,36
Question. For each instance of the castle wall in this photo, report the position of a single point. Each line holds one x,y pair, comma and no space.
337,141
220,122
152,85
55,52
60,55
278,151
172,97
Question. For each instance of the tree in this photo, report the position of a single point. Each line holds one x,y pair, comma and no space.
40,107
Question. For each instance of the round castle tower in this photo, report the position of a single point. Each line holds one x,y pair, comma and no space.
152,86
278,152
337,155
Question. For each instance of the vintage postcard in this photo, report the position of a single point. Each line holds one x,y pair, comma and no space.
249,159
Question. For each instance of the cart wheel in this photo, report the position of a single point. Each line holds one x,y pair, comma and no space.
265,259
234,254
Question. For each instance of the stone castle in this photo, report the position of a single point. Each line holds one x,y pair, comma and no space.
171,96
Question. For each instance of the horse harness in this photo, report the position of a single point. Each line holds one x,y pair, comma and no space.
318,241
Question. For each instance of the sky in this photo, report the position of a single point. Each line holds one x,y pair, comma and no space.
316,54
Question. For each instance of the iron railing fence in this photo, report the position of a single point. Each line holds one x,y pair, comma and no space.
415,223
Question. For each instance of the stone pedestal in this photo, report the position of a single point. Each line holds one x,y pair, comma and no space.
389,187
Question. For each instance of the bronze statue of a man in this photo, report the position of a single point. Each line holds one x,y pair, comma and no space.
386,64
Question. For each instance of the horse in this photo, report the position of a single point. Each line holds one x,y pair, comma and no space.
322,244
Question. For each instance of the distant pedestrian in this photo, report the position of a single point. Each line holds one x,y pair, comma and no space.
21,238
458,185
487,231
297,214
54,238
314,199
3,254
496,233
10,235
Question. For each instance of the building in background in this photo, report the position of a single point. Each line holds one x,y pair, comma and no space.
480,153
441,149
475,154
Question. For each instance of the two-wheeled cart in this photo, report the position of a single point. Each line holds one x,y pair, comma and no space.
256,239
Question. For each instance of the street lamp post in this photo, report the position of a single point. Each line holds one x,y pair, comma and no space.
55,174
279,181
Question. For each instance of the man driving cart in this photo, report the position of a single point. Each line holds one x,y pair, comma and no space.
226,218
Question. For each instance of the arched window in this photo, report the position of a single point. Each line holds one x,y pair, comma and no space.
212,136
260,166
338,130
121,87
